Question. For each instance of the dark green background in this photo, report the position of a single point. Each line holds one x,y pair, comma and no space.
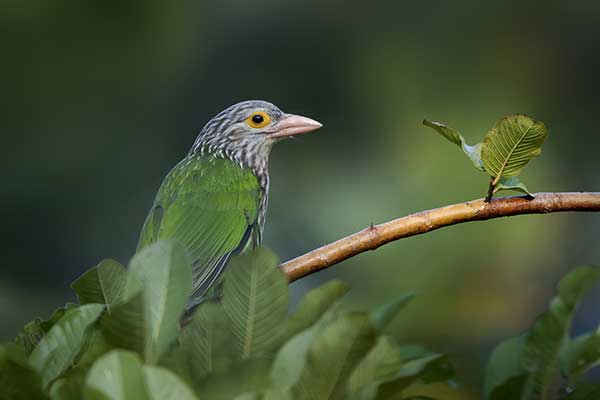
101,98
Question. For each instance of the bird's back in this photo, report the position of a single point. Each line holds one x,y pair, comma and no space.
211,206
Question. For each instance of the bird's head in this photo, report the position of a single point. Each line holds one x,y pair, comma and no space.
246,131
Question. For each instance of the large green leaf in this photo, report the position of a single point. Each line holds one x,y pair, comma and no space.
511,144
333,355
473,152
120,375
162,384
314,305
104,284
504,371
580,355
255,296
158,287
206,341
35,330
18,381
116,376
57,350
249,375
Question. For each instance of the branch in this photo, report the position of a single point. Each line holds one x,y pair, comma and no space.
372,237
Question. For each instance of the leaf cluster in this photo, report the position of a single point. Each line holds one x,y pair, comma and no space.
504,152
525,367
124,340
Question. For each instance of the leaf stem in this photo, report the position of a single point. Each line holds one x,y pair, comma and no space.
490,192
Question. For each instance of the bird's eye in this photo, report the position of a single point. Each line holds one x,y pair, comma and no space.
258,119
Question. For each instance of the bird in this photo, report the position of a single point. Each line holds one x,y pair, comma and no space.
214,201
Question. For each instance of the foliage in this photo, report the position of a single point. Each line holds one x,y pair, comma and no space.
125,340
523,367
506,149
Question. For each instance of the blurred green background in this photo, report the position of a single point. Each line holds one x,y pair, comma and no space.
101,98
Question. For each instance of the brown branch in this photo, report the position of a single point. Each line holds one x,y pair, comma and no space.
374,236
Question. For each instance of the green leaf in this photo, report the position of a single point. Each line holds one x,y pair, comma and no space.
18,381
473,152
314,305
103,284
512,183
505,369
35,330
203,343
511,144
580,355
69,388
158,287
548,335
384,314
57,350
382,362
249,375
162,384
255,296
291,359
116,376
333,355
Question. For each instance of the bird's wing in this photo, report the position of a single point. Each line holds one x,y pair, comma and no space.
211,207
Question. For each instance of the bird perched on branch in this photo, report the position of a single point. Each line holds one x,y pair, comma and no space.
214,201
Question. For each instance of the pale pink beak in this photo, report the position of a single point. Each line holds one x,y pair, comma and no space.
290,125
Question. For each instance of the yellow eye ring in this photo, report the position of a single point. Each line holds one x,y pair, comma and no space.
258,119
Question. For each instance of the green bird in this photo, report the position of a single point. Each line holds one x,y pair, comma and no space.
214,201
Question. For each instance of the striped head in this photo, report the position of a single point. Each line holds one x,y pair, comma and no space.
246,131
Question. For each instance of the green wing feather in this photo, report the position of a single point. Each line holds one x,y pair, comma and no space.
211,206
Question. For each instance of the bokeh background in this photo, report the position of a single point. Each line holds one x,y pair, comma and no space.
101,98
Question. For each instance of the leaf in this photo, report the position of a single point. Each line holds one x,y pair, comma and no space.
505,369
512,183
291,358
511,144
18,381
384,314
125,326
35,330
162,384
333,355
382,362
473,152
116,376
249,375
158,286
398,367
580,355
203,343
525,365
57,350
255,297
548,335
103,284
69,388
314,305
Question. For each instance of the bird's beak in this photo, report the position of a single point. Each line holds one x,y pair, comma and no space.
290,125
